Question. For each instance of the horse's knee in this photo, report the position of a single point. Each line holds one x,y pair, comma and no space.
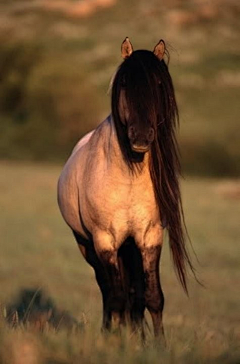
103,244
108,257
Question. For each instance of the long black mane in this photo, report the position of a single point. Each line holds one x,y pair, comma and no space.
150,94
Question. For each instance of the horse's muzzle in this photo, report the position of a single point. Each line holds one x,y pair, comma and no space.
140,148
140,141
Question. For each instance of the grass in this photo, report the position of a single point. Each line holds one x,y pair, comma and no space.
38,250
63,96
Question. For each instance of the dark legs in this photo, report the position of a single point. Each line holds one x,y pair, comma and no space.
129,281
131,261
109,279
136,287
154,298
89,253
116,300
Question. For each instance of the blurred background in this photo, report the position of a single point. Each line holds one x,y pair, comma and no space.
57,58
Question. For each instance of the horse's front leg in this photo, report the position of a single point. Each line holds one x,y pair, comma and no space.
150,248
107,252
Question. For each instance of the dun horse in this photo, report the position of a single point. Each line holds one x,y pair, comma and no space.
119,190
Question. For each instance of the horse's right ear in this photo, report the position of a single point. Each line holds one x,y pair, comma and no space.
159,49
126,48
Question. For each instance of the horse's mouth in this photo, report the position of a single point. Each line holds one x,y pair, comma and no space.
139,148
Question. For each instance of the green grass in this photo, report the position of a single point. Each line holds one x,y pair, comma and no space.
38,250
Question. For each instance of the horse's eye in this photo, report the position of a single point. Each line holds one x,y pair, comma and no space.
123,84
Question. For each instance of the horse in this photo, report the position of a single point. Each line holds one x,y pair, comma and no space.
120,189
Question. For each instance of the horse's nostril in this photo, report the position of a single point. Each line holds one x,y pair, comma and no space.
150,136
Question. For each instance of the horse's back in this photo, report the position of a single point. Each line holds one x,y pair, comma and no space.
82,142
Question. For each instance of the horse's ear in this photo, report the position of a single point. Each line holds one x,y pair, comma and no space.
126,48
159,49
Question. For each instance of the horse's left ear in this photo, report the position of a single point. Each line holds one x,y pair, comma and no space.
126,48
159,49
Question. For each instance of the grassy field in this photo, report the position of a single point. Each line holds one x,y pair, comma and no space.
38,250
55,67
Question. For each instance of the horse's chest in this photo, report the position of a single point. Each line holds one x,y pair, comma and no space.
122,206
132,200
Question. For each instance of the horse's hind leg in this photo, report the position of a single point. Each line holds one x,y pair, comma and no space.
87,249
154,298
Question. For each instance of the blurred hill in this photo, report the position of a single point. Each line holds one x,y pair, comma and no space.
57,58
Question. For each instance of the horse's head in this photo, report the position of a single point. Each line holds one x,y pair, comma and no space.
136,99
140,130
